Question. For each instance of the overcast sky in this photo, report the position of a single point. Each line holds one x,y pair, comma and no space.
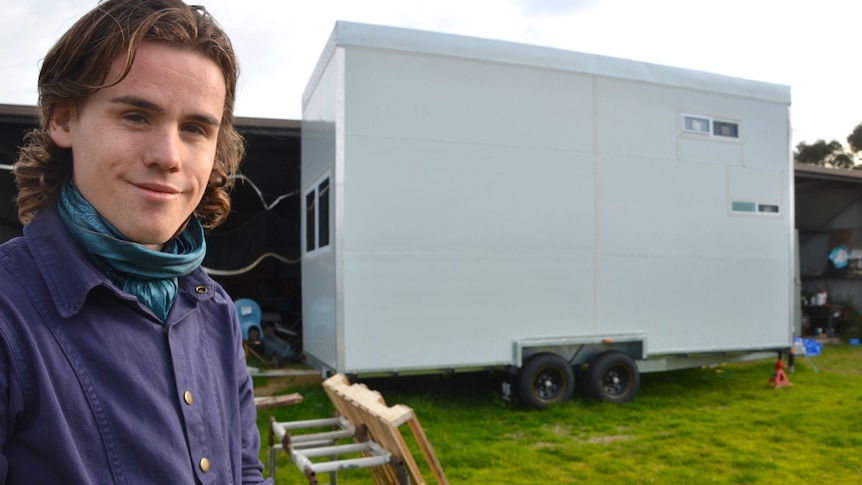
808,45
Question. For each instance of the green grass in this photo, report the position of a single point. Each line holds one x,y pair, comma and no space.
720,425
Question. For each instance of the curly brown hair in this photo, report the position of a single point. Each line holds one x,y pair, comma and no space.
77,66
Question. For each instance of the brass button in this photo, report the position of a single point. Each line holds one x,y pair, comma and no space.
201,290
188,398
205,465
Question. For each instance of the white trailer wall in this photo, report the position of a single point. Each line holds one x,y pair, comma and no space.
321,335
486,191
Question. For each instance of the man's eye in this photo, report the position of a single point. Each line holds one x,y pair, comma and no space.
196,129
135,117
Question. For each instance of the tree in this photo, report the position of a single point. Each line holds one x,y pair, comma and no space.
831,154
855,139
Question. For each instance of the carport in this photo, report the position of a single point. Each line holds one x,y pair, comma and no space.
829,216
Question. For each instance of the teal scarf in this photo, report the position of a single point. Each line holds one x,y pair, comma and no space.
149,275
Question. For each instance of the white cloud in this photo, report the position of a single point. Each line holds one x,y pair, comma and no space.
550,8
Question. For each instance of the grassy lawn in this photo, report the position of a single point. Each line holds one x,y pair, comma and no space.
712,425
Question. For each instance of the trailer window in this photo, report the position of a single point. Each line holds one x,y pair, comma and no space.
725,128
739,206
317,216
755,207
768,208
323,213
708,126
696,124
309,222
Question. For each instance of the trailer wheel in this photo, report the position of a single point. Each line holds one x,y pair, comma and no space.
545,379
613,377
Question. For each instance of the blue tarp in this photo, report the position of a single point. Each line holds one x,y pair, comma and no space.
812,348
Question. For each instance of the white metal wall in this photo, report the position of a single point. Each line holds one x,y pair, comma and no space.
468,208
674,260
322,336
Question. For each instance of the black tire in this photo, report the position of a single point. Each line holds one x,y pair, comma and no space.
545,379
613,377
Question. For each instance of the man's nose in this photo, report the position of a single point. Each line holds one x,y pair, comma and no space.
165,148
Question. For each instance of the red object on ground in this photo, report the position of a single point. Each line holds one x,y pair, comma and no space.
779,378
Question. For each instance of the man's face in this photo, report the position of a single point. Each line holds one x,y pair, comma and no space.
143,149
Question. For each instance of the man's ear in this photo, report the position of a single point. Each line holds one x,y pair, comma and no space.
60,125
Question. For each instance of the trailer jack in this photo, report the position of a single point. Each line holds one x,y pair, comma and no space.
779,378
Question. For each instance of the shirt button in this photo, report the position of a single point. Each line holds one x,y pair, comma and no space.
200,290
188,398
205,465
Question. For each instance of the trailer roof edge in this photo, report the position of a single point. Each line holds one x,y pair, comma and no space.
436,43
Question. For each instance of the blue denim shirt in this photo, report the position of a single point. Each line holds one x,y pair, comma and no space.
94,389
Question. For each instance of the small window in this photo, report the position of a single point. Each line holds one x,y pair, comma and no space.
768,208
755,207
323,213
739,206
696,124
708,126
317,216
725,128
310,222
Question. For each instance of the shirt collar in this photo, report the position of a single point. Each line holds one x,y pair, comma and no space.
70,275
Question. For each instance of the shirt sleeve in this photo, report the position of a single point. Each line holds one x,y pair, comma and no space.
252,467
11,400
4,406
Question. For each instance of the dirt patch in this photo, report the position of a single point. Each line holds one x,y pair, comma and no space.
606,440
582,434
285,381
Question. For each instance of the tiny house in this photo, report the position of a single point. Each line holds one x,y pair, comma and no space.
472,204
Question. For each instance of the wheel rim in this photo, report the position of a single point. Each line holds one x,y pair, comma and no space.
548,384
616,381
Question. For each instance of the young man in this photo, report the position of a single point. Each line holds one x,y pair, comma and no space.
120,359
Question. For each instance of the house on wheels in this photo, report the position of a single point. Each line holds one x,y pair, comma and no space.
471,204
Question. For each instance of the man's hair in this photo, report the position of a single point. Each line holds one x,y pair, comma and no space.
77,66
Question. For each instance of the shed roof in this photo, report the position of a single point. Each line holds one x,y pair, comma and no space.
823,193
